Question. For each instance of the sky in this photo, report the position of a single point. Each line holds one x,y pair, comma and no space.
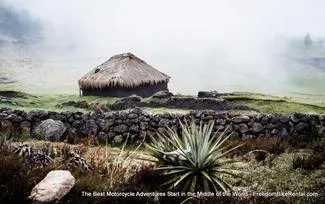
225,45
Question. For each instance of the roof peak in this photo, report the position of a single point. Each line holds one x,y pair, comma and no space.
126,54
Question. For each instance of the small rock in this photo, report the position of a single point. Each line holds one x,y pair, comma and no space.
283,133
118,139
240,119
163,122
322,118
265,120
25,124
104,124
243,128
221,121
284,119
143,125
301,126
296,117
257,127
134,128
103,137
274,131
219,127
90,127
121,128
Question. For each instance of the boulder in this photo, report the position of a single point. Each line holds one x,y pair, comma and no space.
53,187
51,129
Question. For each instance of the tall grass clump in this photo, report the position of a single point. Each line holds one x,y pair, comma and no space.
195,160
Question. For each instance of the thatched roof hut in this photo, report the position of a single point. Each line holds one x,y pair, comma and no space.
123,75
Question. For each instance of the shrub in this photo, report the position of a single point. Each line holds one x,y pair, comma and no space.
194,161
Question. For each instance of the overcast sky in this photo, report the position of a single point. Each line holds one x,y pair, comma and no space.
202,44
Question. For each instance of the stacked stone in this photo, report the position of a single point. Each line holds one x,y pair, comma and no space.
137,125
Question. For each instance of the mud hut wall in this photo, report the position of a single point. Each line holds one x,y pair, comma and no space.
143,91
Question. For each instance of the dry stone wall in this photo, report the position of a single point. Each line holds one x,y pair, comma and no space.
115,127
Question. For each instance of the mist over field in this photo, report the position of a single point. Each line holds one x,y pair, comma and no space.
224,45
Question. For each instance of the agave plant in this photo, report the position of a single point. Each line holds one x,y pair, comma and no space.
194,160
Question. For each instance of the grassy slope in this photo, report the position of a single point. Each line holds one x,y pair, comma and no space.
277,104
264,103
53,102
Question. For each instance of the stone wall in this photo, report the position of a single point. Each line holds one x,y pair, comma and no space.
114,127
179,102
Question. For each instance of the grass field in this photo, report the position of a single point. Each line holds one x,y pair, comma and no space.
264,103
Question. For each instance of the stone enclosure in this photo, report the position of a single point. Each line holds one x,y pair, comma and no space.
115,127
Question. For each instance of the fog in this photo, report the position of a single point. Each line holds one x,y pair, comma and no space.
223,45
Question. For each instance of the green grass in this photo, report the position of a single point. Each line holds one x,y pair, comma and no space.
53,102
166,110
286,108
277,104
252,96
264,103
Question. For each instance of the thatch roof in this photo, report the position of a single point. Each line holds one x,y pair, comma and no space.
123,70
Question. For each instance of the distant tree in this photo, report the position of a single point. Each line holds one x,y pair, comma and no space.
308,41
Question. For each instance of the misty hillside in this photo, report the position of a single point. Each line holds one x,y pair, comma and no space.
217,49
307,51
16,25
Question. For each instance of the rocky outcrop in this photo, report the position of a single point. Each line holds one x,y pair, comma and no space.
126,103
137,125
53,187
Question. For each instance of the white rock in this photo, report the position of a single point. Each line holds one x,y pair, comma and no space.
54,186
